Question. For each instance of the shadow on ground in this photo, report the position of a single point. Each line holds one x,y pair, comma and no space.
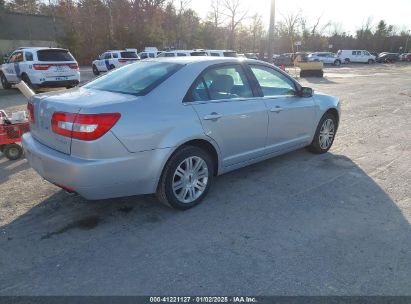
295,225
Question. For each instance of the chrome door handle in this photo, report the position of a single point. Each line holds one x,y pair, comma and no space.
276,109
213,116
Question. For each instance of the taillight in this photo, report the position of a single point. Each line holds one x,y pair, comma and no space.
30,110
83,126
122,60
41,67
73,66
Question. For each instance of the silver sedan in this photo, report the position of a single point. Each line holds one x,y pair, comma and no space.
168,126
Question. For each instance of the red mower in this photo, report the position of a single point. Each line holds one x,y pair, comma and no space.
10,135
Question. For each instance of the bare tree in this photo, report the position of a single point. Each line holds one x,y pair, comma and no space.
216,13
236,14
291,22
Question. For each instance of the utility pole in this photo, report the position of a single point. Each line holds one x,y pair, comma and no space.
271,33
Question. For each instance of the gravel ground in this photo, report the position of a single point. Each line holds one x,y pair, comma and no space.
299,224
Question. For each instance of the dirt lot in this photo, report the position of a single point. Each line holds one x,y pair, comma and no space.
300,224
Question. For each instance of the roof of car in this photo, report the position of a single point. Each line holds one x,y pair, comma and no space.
39,48
198,59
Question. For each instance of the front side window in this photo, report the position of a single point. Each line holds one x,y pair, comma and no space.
220,83
136,79
16,57
106,56
272,82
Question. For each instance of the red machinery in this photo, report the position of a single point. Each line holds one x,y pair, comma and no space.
10,135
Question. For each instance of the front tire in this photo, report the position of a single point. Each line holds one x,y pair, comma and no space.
5,84
13,151
186,178
324,135
370,61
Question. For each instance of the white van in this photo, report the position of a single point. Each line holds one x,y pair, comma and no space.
362,56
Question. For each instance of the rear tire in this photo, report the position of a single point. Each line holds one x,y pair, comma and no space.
324,135
112,67
13,151
5,84
337,62
186,178
370,61
96,72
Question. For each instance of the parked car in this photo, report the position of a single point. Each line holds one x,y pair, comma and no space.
251,56
324,57
40,67
388,58
169,125
182,53
221,53
405,57
362,56
149,52
113,59
283,59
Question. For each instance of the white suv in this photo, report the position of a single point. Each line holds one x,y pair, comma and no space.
113,59
324,57
40,67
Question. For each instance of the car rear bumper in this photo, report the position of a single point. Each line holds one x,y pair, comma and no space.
94,179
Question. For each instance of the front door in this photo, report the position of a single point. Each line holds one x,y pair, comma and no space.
291,117
230,114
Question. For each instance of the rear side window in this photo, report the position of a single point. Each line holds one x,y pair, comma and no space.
169,55
29,56
136,79
115,55
221,83
54,55
181,54
215,54
128,55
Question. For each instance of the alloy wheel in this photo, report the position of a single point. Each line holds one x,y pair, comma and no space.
327,132
190,179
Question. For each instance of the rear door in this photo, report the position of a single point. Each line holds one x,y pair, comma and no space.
230,114
291,118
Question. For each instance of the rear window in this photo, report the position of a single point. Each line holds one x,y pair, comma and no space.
54,55
136,79
128,55
230,54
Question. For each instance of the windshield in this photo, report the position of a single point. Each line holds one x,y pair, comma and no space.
136,79
128,55
54,55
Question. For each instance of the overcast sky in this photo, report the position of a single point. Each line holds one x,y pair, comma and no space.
350,14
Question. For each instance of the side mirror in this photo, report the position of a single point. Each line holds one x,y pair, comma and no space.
306,92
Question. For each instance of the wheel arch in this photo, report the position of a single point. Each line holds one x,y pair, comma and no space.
335,113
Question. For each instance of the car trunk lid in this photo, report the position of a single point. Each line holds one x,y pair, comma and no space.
69,101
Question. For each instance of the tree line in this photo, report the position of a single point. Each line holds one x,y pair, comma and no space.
93,26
